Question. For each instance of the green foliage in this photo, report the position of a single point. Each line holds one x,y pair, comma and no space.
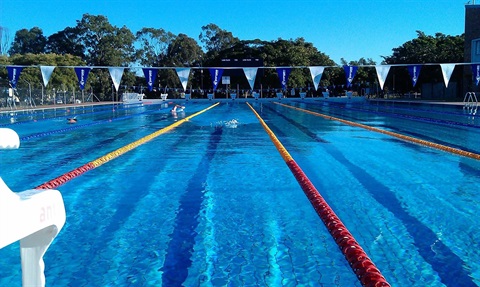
429,49
65,42
153,46
95,42
28,41
216,40
60,76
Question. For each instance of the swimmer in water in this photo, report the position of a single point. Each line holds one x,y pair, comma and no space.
177,108
72,121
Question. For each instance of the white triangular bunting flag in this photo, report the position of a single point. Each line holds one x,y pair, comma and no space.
316,73
447,70
251,74
183,74
382,73
46,73
116,73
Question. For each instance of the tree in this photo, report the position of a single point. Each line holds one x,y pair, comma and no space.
429,49
426,49
153,45
216,39
65,42
295,53
28,41
366,76
183,51
105,45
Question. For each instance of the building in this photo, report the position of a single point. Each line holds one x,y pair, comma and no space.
472,43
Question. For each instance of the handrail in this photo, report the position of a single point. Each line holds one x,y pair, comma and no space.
470,103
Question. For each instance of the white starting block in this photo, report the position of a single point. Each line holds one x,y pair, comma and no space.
164,96
210,96
279,96
256,95
233,96
34,217
303,95
326,94
188,97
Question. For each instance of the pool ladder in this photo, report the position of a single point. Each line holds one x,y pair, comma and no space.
470,103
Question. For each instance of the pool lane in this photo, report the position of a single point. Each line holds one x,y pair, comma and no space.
449,267
396,135
361,264
180,248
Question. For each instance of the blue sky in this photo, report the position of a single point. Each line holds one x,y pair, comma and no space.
348,29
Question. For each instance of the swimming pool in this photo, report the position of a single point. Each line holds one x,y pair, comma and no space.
212,203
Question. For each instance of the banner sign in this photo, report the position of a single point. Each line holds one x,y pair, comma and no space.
82,75
447,70
116,74
283,74
382,73
476,73
414,71
183,74
14,74
250,74
316,73
150,76
46,73
216,75
350,72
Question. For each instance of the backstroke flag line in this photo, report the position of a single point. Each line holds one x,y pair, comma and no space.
250,74
283,74
82,75
316,73
382,73
476,73
116,74
14,74
216,75
447,70
350,72
150,76
46,74
183,74
414,71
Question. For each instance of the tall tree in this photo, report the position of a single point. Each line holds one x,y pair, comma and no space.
183,51
28,41
429,49
153,45
216,39
296,52
65,42
426,49
105,45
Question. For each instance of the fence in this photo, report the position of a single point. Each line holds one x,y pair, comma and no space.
27,95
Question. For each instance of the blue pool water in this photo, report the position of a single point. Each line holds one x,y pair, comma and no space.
212,203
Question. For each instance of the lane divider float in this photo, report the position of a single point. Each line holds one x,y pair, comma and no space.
54,183
393,134
366,271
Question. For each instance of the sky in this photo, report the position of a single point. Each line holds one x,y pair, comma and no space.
349,29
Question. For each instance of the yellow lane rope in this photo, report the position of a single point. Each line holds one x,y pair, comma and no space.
397,135
114,154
